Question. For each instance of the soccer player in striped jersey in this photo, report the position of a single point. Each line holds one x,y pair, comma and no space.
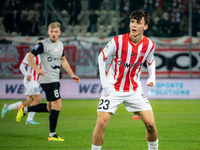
122,83
31,83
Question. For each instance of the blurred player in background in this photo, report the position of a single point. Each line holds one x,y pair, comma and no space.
31,84
122,84
51,52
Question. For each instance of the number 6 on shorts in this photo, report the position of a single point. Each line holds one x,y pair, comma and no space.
56,93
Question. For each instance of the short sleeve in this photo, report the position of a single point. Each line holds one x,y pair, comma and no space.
63,54
109,49
38,49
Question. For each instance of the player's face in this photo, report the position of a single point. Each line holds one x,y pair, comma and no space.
54,34
137,27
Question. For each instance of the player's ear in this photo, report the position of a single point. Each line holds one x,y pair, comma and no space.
146,27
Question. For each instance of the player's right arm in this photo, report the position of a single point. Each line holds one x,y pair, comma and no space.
108,51
102,69
37,50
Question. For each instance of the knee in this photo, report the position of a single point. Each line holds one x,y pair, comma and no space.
101,124
151,127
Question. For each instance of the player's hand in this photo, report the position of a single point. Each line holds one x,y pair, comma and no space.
40,72
28,78
75,78
150,84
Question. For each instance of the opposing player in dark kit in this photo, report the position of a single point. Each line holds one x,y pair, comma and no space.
52,56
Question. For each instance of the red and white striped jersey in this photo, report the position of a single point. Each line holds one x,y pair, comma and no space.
125,68
29,69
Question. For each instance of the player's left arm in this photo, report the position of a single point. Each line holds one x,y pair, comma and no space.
152,77
151,69
68,69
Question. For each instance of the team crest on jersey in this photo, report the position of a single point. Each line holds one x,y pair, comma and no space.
56,50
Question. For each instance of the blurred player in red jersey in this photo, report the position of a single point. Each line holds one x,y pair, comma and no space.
31,84
122,83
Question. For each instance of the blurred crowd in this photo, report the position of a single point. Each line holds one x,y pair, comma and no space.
16,21
169,18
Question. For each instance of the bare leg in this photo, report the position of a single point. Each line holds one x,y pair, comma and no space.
56,105
149,122
28,101
36,99
98,133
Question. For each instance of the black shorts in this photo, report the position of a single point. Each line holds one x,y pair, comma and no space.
52,90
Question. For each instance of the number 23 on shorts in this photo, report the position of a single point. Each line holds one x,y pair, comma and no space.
103,104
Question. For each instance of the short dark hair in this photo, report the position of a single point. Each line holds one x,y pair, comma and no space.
138,14
40,38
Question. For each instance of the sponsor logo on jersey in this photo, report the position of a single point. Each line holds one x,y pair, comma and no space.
55,67
124,52
133,54
128,65
49,59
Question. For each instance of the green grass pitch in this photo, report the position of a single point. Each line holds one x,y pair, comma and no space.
178,123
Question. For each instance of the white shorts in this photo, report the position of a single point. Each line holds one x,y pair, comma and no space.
32,87
133,101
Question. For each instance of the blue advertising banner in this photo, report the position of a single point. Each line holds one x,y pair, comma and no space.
91,89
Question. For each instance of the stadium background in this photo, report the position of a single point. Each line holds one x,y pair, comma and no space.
177,118
174,27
